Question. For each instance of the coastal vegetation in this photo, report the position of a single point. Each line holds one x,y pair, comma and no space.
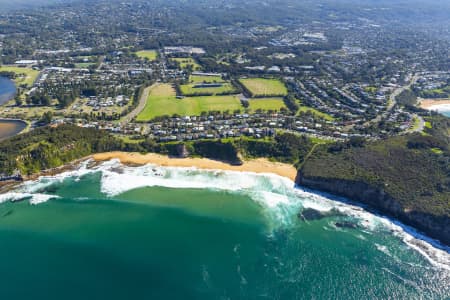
406,176
407,98
47,147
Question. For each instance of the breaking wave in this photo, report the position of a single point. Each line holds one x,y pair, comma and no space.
280,199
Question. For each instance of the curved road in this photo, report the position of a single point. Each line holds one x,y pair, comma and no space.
392,102
140,107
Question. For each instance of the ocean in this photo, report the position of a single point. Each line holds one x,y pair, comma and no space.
148,232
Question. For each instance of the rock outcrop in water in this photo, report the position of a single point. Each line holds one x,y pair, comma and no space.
403,177
435,226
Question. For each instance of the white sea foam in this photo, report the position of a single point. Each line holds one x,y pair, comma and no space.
440,107
277,195
34,198
114,183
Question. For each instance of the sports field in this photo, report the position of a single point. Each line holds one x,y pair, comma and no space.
151,55
162,101
205,79
83,65
24,75
185,62
260,87
191,90
266,104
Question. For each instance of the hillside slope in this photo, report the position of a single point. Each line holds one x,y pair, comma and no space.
404,177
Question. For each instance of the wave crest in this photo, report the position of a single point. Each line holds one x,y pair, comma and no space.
280,199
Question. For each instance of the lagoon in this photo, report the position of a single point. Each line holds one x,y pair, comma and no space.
7,90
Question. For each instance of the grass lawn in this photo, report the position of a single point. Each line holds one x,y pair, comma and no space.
370,89
437,151
321,141
205,79
216,103
162,101
79,106
127,139
264,87
189,90
185,62
24,75
83,65
151,55
315,112
266,104
26,113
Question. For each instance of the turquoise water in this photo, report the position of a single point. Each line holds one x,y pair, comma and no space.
7,90
165,233
446,113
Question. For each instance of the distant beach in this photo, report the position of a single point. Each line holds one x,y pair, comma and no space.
260,165
440,105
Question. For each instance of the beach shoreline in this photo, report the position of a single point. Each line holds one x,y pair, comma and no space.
260,165
434,104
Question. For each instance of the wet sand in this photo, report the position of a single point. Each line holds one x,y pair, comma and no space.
260,165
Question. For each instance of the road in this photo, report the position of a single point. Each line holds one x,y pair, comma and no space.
417,128
140,107
392,102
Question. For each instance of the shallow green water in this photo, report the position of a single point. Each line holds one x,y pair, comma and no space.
155,242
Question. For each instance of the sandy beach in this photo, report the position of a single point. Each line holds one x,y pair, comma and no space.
260,165
433,104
